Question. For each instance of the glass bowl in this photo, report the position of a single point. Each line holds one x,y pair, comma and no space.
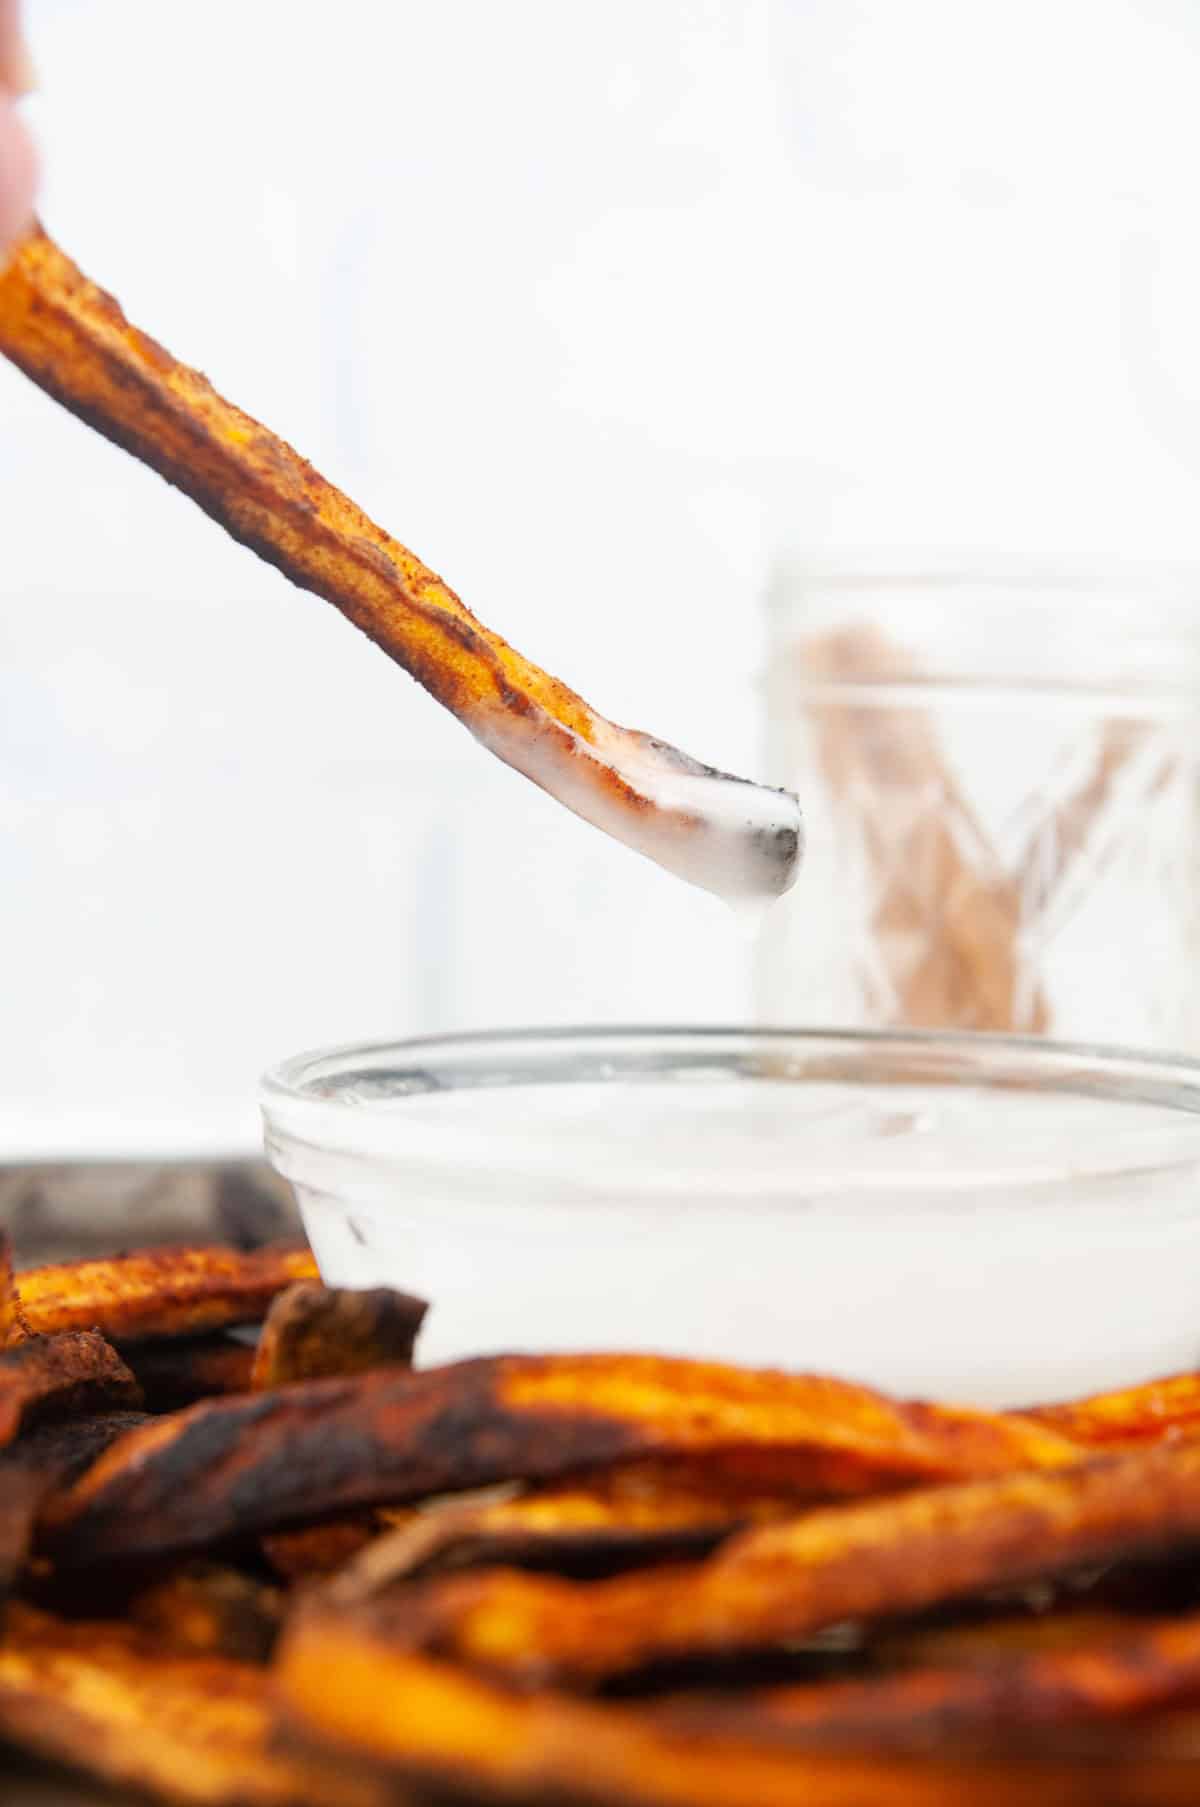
982,1218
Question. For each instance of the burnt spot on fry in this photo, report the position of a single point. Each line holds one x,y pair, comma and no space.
179,1371
56,1376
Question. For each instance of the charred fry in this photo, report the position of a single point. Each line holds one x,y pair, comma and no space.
783,1582
60,1452
45,1458
54,1376
309,1451
161,1292
112,1701
344,1681
177,1372
312,1332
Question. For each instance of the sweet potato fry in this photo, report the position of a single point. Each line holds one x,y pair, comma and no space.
30,1468
595,1525
1147,1413
73,340
178,1371
53,1376
19,1496
975,1641
61,1451
1132,1667
114,1702
345,1683
312,1332
311,1552
309,1451
212,1610
161,1292
780,1583
11,1325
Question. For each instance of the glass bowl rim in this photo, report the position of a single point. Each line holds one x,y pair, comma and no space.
309,1132
1133,1073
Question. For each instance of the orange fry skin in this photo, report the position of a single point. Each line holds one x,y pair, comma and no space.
778,1583
161,1292
316,1449
12,1327
1147,1413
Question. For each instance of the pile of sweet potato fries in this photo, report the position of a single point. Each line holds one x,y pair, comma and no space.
282,1564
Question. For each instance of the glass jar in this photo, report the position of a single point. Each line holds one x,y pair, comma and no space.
999,783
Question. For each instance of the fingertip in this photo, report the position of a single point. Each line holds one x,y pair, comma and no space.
17,73
18,176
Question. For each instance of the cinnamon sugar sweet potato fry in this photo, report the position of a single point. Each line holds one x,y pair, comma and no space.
212,1610
979,1639
1130,1668
11,1325
176,1372
593,1525
310,1332
54,1376
779,1583
252,1464
19,1497
306,1553
59,1452
345,1683
313,1331
73,340
114,1702
1146,1413
161,1292
39,1461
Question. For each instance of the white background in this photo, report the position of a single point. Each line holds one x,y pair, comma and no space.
602,309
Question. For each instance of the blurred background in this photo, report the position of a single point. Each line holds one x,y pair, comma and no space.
606,311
